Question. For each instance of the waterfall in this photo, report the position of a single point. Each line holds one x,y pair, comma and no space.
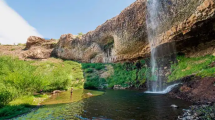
155,17
168,89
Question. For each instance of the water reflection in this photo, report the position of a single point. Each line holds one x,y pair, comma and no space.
113,105
68,97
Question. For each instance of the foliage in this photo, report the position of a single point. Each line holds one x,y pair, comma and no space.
20,44
12,49
93,80
20,78
125,74
188,66
89,70
11,111
110,44
80,34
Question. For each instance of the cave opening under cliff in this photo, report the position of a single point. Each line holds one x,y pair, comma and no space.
108,44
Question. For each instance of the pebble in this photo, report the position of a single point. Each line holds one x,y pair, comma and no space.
212,115
174,106
198,112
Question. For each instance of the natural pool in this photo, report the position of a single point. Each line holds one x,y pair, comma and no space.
112,105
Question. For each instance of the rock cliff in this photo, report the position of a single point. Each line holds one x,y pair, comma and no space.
38,48
187,24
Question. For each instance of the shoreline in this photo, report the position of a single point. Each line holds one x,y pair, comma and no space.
33,107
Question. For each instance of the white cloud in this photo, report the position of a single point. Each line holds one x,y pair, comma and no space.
13,28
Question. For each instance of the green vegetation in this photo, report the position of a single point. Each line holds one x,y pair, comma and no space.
20,44
125,74
80,34
92,76
20,106
19,79
128,74
8,112
12,49
200,66
109,44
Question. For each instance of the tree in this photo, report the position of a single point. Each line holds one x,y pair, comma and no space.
80,34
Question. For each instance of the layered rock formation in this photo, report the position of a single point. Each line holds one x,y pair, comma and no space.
120,38
187,25
39,48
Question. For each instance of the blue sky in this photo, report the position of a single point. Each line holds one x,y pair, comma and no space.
52,18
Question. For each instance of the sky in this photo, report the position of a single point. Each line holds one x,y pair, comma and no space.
52,18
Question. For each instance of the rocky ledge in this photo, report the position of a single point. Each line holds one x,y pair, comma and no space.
196,90
187,25
199,91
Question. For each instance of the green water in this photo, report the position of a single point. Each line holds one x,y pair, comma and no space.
68,97
112,105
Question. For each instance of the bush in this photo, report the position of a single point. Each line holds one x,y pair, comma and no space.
92,83
99,67
85,65
14,110
19,78
6,94
89,70
127,74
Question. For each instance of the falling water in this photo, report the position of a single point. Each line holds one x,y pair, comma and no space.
168,89
153,21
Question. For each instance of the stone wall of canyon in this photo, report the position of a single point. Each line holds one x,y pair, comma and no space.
188,24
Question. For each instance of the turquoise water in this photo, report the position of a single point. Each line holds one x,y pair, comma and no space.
113,105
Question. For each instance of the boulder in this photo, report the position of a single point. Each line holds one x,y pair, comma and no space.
34,41
56,91
39,48
90,94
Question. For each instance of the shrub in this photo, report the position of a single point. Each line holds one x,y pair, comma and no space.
89,70
19,78
99,67
80,34
127,74
85,65
92,83
14,110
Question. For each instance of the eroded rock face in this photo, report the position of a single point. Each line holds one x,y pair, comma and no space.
188,24
120,38
39,48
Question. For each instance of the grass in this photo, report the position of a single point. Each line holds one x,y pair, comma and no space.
199,66
19,79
